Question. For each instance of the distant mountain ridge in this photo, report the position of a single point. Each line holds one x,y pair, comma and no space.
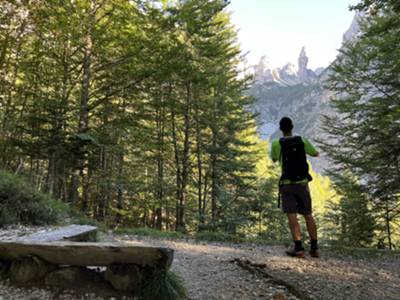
288,75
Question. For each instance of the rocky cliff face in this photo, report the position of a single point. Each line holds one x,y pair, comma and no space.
293,91
296,92
354,31
303,103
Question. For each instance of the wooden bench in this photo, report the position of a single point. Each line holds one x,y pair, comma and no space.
51,258
87,254
77,233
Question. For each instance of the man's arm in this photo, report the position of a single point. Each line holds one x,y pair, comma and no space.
310,149
275,149
316,154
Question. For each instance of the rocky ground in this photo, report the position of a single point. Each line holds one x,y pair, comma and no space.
216,271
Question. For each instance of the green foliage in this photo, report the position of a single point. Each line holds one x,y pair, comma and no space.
203,235
166,286
133,111
272,222
353,219
137,115
21,203
366,82
377,5
77,217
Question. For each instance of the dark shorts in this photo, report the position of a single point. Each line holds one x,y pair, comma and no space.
296,198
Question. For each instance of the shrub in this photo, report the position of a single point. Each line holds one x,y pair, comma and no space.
21,203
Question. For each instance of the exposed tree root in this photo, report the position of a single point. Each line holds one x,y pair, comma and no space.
259,269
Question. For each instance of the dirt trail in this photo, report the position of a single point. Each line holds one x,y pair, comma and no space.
210,274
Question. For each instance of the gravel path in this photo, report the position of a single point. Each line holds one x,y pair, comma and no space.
210,273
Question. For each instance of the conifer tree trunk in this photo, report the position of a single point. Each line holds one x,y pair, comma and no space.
214,172
120,200
178,221
80,164
51,173
214,184
199,172
387,223
160,123
100,206
84,121
185,159
205,191
55,164
182,166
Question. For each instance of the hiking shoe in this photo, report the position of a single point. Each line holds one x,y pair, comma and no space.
314,253
291,251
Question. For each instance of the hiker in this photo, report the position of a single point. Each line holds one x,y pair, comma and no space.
294,192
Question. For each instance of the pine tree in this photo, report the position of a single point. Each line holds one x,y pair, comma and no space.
365,79
354,219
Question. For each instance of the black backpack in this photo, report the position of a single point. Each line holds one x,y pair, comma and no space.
294,160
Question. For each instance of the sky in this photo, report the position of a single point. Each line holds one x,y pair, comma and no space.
280,28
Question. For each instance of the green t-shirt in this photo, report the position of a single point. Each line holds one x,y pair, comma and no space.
276,154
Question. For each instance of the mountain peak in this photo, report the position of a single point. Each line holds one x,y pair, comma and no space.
288,75
303,52
302,65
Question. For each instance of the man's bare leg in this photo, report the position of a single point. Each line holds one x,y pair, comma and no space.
312,232
311,227
294,227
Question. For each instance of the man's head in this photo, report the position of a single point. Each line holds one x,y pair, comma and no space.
286,125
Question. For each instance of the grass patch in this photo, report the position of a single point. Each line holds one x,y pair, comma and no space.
144,231
150,232
79,218
204,235
216,236
166,286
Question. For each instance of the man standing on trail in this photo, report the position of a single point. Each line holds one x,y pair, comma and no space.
291,151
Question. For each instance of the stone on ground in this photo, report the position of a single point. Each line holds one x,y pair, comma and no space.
124,277
29,269
68,277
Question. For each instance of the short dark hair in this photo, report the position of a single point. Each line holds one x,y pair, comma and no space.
286,125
